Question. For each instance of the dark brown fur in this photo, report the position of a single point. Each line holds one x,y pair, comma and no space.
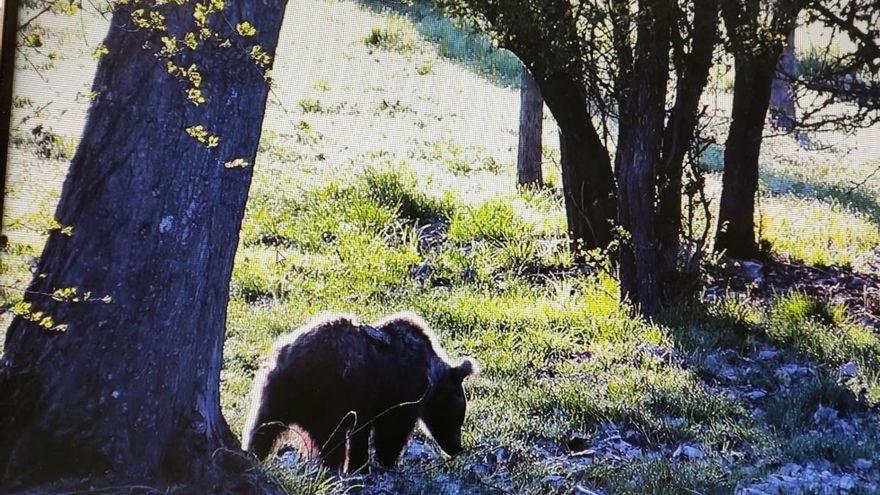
337,381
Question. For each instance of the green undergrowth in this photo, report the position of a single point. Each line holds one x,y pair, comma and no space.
560,357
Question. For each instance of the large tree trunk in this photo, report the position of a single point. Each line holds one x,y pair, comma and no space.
531,112
130,391
641,134
782,110
587,178
693,74
751,99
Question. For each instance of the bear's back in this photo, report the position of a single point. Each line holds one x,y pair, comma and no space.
336,358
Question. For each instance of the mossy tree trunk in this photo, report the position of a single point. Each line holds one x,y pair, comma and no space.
150,214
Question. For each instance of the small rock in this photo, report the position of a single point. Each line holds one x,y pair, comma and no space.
421,271
849,370
582,490
289,459
790,469
688,451
658,352
553,481
862,464
468,274
825,416
432,234
757,394
846,482
767,355
419,450
752,271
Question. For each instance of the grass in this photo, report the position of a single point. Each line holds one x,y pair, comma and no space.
397,34
453,39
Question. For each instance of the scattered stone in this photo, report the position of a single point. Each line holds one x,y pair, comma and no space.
846,483
421,271
469,275
657,352
420,451
849,369
863,464
767,355
825,416
582,490
757,394
812,478
553,481
752,271
688,451
432,235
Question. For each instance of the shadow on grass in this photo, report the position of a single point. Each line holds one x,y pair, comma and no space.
455,40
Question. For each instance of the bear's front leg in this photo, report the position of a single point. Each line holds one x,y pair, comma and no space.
330,437
358,449
392,434
262,431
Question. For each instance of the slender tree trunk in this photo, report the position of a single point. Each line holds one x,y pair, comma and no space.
130,391
587,178
751,99
782,110
641,134
531,113
693,74
756,54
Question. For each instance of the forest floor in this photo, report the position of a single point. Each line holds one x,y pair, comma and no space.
386,181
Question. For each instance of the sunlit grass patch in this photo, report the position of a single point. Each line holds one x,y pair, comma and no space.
817,232
460,160
822,331
397,34
494,221
379,202
459,42
453,39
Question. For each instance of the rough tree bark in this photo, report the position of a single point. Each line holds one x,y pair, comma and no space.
640,142
756,52
692,70
587,179
531,113
751,99
129,393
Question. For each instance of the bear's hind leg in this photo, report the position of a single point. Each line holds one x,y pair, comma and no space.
392,433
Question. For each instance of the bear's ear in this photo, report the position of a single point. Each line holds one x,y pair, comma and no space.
466,368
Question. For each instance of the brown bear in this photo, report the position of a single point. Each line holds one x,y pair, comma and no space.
336,380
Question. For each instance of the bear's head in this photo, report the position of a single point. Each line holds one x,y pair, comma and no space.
443,409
